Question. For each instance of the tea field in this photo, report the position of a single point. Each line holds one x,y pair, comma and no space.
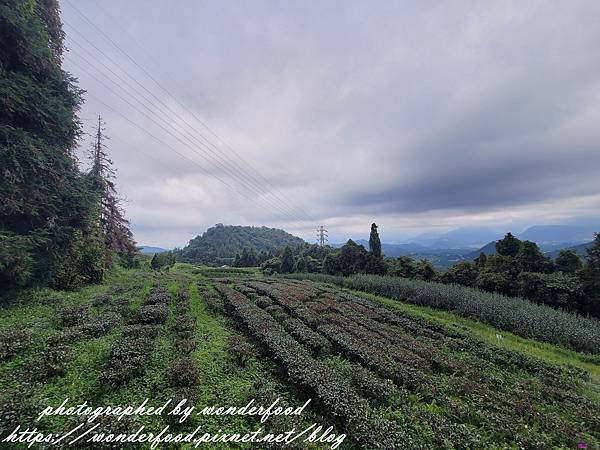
388,374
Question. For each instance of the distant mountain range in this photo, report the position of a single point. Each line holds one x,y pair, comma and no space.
581,250
149,249
546,236
550,238
444,249
440,257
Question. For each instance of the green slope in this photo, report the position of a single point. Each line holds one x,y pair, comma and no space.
220,244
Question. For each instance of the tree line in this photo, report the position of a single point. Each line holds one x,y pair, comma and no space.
59,225
518,268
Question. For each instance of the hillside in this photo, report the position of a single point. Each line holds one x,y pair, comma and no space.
220,244
558,234
580,249
488,249
383,373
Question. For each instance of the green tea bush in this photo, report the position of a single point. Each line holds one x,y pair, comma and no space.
186,346
141,331
152,314
13,341
328,387
102,299
93,327
51,362
184,373
240,349
513,314
214,302
73,315
127,359
370,385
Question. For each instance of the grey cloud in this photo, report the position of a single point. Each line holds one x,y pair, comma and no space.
411,114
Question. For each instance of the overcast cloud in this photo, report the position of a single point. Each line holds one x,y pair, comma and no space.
416,115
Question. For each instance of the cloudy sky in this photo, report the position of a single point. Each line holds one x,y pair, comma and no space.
420,116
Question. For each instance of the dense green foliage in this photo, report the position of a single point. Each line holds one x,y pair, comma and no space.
349,259
517,315
221,243
50,231
45,204
519,268
162,260
374,241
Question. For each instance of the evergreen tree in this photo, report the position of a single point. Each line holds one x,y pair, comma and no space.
287,260
162,260
331,264
115,228
374,241
405,267
425,270
463,273
352,258
591,278
481,260
568,261
508,246
531,259
47,232
375,265
155,262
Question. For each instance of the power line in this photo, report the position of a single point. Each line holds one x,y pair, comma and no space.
223,165
174,81
274,190
152,119
144,130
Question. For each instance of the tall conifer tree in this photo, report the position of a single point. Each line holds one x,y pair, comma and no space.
115,228
375,242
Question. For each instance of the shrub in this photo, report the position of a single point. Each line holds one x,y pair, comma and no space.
100,325
102,299
127,360
184,323
14,341
214,302
73,315
240,349
186,346
141,331
263,301
184,372
51,362
152,314
157,298
94,326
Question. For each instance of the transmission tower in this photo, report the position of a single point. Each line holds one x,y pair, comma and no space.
321,235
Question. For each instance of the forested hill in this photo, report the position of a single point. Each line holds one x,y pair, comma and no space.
221,243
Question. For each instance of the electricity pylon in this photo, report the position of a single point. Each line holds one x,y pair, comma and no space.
321,235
